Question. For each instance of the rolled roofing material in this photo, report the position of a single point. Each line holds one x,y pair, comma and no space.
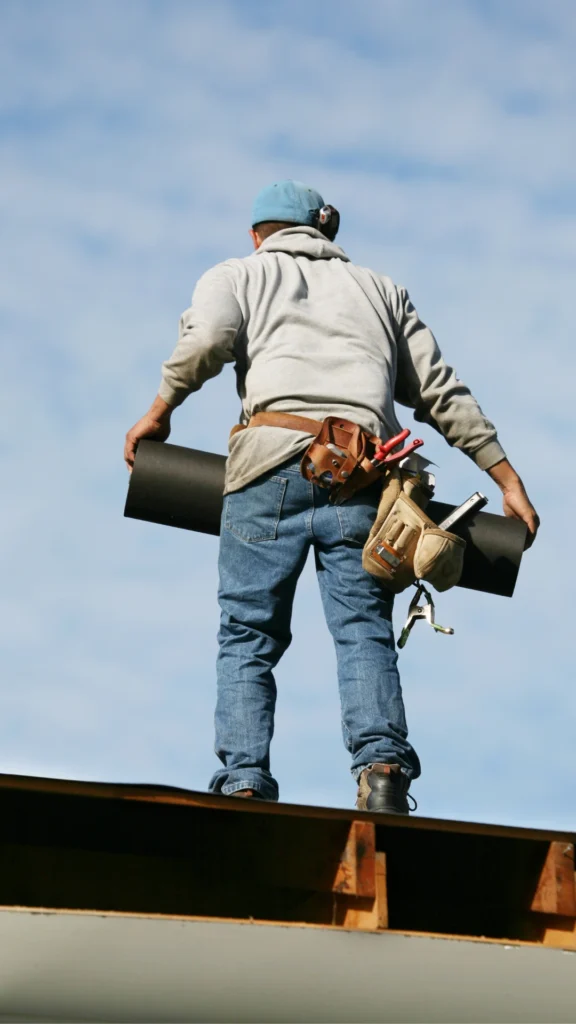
176,486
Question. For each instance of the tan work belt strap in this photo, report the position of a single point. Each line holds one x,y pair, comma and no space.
281,419
291,422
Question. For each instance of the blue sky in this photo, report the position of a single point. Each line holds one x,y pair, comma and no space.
133,137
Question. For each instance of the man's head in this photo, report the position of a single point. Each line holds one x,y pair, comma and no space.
286,204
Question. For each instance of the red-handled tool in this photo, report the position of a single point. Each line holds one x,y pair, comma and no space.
384,455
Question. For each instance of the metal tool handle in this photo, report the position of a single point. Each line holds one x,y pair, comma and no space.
403,638
472,504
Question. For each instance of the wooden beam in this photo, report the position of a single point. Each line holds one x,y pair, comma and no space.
356,871
172,796
381,892
556,891
364,913
360,895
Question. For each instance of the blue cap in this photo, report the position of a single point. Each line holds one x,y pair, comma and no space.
288,201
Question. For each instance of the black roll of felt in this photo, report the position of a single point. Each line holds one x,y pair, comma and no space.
177,486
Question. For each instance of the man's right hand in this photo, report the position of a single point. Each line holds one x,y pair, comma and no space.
516,503
155,426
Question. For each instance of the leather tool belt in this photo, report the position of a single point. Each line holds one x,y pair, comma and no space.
404,545
339,457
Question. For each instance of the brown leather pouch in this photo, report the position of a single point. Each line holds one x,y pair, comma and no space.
339,458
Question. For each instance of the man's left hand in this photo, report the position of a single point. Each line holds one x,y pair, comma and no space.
155,426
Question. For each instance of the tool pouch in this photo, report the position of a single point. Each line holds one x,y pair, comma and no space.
405,545
339,458
439,558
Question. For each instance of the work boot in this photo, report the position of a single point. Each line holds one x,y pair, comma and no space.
384,788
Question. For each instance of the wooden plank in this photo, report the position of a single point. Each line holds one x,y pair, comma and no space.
360,900
556,892
362,913
365,838
356,871
172,795
135,849
560,933
381,892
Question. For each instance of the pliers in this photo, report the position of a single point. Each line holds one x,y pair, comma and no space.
418,611
384,456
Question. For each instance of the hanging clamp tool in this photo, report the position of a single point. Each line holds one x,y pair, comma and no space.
421,611
384,455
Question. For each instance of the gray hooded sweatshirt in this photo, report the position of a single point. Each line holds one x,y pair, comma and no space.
312,334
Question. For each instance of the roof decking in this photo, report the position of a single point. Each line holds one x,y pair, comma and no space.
158,850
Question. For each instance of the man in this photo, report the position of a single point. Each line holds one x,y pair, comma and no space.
314,336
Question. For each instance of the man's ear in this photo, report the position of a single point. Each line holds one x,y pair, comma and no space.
255,238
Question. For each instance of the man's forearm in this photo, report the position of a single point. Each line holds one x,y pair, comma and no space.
504,475
160,410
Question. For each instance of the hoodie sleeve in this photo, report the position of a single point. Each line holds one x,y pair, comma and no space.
426,384
208,330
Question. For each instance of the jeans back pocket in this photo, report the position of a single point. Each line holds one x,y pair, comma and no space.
253,513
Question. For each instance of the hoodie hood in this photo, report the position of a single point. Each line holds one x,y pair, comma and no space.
303,241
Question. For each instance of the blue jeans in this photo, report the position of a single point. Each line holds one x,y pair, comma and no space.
267,530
